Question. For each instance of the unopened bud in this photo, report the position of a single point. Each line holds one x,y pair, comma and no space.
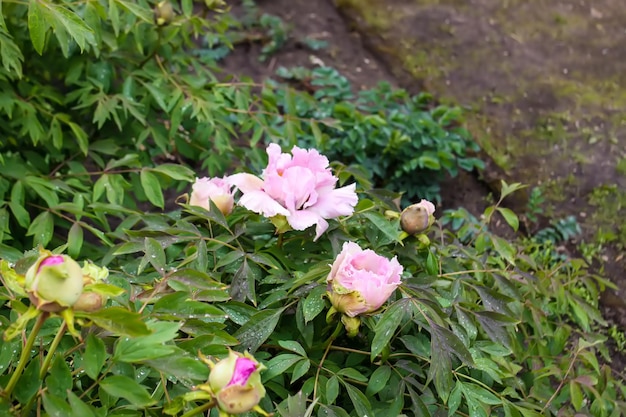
416,218
163,13
54,282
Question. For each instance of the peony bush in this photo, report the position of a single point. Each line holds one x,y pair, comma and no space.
228,313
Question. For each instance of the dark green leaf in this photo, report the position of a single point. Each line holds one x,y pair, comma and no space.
260,326
386,327
314,303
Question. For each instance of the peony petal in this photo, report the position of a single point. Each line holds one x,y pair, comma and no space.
244,367
245,182
333,203
302,219
260,202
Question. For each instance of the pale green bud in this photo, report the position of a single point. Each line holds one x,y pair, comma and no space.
54,282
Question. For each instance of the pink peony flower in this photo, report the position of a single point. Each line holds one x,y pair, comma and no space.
217,189
360,281
299,186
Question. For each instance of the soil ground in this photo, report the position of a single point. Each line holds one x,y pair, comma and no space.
543,82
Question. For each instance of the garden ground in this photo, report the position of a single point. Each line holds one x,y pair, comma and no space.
542,82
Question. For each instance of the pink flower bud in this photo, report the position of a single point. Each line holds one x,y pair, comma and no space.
236,383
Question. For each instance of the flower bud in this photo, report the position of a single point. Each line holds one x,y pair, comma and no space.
90,300
54,282
163,13
416,218
212,189
236,383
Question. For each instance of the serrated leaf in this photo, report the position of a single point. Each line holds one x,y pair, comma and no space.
152,187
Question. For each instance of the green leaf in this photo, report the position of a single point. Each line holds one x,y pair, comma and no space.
332,389
41,229
177,172
389,228
120,386
29,382
504,249
260,326
75,240
300,369
55,406
79,408
152,187
510,217
243,284
94,357
378,380
386,327
293,346
279,364
155,254
81,137
118,321
314,303
182,367
508,189
152,346
59,380
359,400
480,394
37,25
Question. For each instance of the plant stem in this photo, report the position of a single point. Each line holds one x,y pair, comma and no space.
53,348
200,409
24,356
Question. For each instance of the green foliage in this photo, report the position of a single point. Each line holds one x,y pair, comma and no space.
402,142
108,127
